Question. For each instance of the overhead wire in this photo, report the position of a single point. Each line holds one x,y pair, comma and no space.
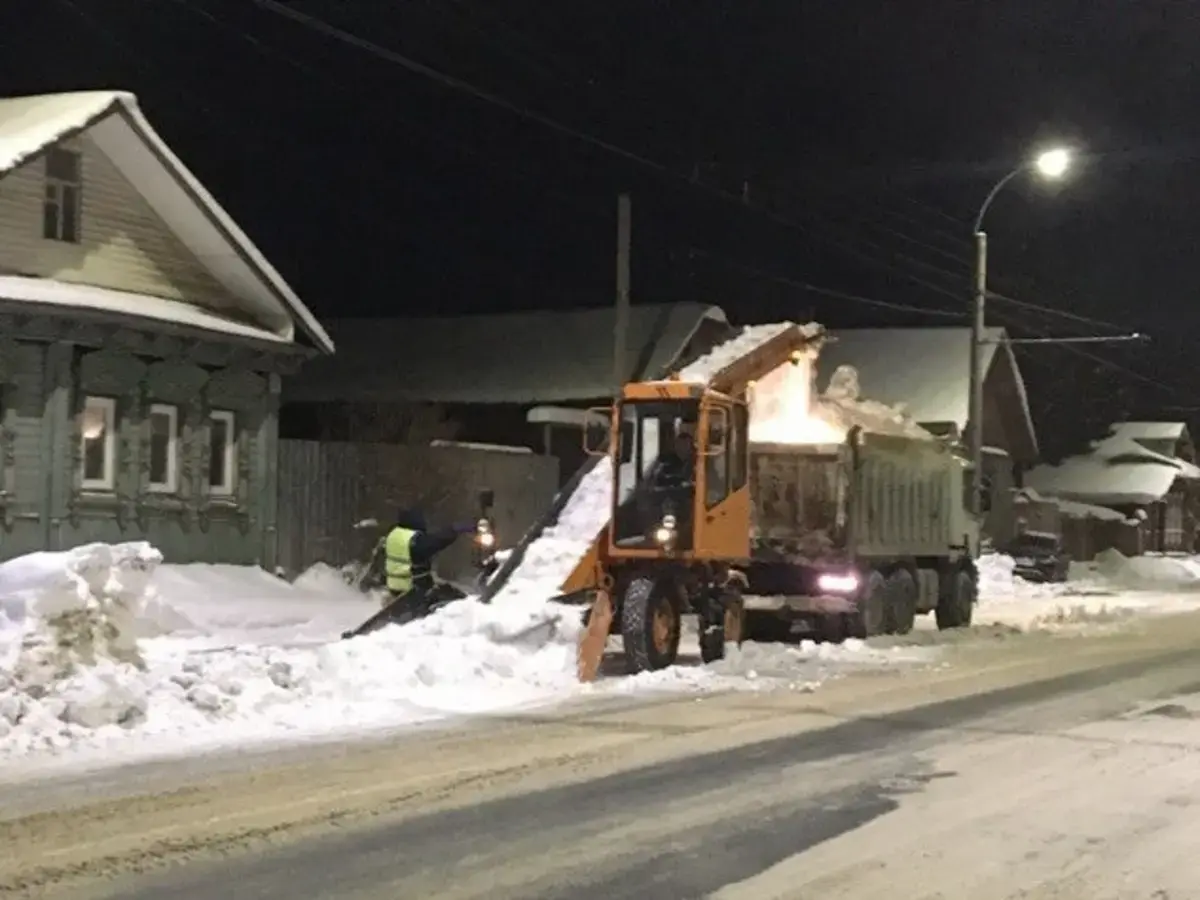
452,82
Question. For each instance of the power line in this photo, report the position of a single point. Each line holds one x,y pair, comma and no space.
811,288
492,98
454,83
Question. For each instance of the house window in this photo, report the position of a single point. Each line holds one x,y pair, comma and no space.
98,436
222,455
164,448
61,205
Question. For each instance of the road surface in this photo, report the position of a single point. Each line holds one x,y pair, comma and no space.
1040,767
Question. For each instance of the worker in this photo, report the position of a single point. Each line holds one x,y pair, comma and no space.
409,552
673,469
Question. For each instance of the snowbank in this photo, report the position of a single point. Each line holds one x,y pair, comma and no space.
110,656
1112,588
104,648
1146,573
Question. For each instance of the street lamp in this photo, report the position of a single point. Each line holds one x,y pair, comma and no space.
1050,165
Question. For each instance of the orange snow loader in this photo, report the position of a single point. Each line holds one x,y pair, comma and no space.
680,516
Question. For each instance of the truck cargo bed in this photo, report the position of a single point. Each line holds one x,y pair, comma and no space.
871,496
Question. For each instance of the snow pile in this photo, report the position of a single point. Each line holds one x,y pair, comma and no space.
1112,588
89,665
78,616
1146,573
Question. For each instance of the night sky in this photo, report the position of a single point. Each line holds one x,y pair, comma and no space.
771,147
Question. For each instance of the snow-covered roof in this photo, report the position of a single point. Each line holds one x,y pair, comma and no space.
29,125
925,370
1117,472
83,297
551,357
1150,431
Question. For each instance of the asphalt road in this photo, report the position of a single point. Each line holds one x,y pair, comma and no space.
1038,768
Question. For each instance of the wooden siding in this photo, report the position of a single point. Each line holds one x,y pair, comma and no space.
325,488
124,244
44,387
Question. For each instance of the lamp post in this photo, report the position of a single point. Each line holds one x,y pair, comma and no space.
1050,165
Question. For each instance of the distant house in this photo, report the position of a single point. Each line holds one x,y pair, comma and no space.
1120,473
524,378
143,339
1168,438
927,372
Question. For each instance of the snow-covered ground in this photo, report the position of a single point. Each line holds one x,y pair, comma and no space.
108,655
1111,588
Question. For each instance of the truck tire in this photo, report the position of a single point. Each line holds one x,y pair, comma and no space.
650,625
956,600
729,628
901,602
870,618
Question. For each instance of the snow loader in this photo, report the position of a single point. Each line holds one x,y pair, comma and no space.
697,545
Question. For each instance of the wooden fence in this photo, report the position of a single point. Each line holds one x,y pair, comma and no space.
326,487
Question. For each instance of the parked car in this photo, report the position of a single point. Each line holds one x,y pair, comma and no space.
1039,556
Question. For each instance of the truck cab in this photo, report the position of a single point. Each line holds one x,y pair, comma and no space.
681,468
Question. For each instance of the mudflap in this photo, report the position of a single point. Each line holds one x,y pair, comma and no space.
595,636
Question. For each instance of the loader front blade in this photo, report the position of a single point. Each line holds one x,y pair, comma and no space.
595,636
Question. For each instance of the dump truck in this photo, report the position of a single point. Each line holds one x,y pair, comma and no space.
856,539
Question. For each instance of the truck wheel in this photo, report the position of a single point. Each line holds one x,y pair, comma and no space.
870,617
729,628
649,627
901,602
956,600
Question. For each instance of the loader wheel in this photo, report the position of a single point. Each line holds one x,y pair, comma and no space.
956,600
650,627
870,617
730,628
901,602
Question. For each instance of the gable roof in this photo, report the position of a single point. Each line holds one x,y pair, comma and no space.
1151,431
1117,471
30,125
523,357
926,370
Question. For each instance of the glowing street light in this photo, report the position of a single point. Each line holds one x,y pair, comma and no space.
1051,164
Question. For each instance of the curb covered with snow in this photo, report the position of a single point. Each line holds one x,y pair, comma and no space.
1110,589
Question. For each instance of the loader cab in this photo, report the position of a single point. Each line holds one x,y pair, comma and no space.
679,455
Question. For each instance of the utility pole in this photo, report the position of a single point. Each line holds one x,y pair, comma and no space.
975,396
620,329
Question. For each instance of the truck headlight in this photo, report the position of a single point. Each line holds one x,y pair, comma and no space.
837,583
665,533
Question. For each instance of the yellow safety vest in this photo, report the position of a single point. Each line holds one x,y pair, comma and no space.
398,562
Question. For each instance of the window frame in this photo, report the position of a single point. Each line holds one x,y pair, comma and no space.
62,193
171,484
229,488
107,483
